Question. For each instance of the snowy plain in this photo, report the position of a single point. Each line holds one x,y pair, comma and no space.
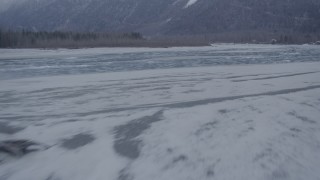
243,112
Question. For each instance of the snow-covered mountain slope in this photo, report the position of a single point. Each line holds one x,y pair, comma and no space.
5,4
190,2
165,16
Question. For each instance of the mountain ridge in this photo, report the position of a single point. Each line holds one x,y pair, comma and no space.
166,17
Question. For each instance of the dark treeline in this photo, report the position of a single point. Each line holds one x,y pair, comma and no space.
43,39
276,37
251,37
57,39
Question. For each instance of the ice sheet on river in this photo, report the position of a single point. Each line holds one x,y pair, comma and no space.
228,122
24,63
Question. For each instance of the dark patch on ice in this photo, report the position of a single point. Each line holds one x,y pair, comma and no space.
125,175
32,118
158,88
302,118
223,111
249,121
71,120
210,170
20,147
169,150
193,91
5,128
52,177
49,90
265,156
179,159
216,100
6,94
268,85
128,148
70,94
125,142
66,121
287,99
255,109
279,174
199,102
124,89
39,124
263,166
77,141
265,153
274,77
210,173
206,127
9,99
309,105
295,130
251,75
245,132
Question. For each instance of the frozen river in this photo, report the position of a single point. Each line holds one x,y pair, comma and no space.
242,112
31,63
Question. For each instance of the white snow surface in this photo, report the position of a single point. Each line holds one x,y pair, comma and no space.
244,122
190,2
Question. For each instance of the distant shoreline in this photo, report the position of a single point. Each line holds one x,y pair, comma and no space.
79,40
155,47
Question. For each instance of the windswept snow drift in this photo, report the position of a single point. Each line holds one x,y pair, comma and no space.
190,2
242,122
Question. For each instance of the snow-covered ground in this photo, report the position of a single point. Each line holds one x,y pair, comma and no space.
244,122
